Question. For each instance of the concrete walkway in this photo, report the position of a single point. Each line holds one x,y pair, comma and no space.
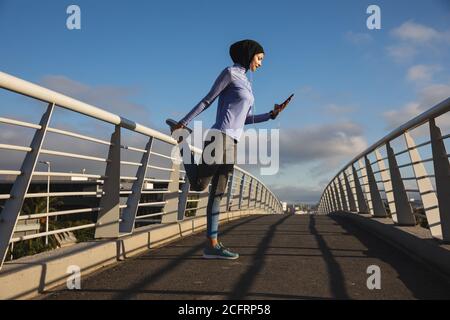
282,257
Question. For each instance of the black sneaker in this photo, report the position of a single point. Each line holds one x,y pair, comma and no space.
219,252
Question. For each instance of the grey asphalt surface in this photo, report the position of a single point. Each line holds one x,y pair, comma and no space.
281,257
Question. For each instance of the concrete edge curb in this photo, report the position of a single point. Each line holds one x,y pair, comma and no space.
28,277
428,252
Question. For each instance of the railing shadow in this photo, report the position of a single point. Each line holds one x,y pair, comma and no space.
171,265
242,288
336,276
398,261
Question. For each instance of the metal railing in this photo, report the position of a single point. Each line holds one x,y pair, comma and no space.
117,208
367,184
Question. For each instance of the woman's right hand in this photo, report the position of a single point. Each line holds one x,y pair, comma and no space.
178,126
279,107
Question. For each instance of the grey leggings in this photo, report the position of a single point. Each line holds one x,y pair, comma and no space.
201,175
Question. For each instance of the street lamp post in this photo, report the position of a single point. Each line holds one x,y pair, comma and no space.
48,199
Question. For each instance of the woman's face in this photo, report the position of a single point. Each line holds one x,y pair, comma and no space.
256,62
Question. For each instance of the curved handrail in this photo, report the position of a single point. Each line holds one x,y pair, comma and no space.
345,189
434,112
255,178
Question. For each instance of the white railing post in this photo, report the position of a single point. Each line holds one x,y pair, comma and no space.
329,201
403,210
386,181
107,225
270,202
377,204
333,196
11,210
387,184
336,194
365,184
263,197
129,213
241,191
342,194
325,202
362,204
258,194
230,190
442,178
351,199
261,193
266,199
202,202
182,200
429,199
250,191
172,198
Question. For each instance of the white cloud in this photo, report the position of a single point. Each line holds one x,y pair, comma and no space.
422,72
395,118
337,110
418,33
428,97
358,38
402,52
115,99
327,144
434,94
297,193
309,155
308,92
111,98
413,38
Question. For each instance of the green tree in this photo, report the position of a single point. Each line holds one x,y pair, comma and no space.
33,246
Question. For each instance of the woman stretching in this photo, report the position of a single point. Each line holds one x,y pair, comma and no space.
233,112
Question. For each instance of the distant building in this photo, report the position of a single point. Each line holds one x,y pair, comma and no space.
290,208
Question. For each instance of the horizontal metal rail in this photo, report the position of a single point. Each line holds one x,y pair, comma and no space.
150,215
20,123
61,194
14,147
56,213
72,155
10,173
78,136
152,204
34,236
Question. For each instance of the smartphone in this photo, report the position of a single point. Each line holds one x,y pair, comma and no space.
287,100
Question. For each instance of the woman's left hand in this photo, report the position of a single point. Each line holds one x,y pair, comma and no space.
275,112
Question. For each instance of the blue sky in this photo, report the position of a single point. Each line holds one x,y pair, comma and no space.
159,58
